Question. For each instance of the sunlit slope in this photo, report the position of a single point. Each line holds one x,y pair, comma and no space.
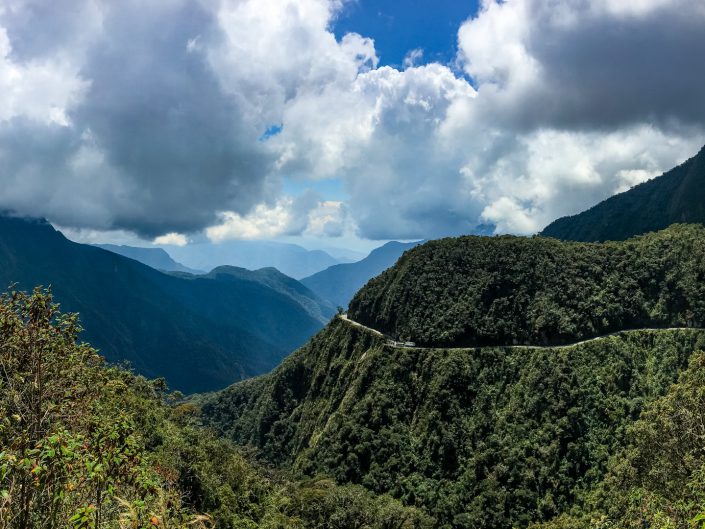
492,437
517,290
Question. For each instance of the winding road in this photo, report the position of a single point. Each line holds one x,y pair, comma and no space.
354,323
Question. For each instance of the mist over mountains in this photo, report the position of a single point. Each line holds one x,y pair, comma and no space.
290,259
155,257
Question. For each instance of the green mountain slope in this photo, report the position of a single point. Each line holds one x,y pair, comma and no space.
339,283
154,257
87,445
494,436
656,480
506,290
488,438
200,333
676,196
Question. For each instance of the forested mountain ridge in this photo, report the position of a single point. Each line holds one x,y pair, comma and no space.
200,333
470,291
494,436
676,196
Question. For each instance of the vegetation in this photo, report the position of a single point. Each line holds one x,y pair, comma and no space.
474,291
676,196
606,433
200,333
657,480
84,445
488,438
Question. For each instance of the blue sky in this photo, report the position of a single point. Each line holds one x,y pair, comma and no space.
399,26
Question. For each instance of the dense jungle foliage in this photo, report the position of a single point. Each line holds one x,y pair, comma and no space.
676,196
469,291
658,480
478,438
88,446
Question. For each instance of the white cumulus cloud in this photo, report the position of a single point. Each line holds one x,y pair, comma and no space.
150,117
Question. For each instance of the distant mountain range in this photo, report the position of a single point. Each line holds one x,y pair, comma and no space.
339,282
272,278
199,332
676,196
154,257
290,259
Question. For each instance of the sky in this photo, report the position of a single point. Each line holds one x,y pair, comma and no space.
339,123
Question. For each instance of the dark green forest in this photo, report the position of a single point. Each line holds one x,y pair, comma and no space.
492,437
349,432
470,291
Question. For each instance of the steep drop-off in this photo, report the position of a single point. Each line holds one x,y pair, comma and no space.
489,436
492,437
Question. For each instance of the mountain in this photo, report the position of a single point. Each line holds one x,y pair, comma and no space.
475,291
199,332
272,278
483,433
345,255
676,196
290,259
154,257
339,283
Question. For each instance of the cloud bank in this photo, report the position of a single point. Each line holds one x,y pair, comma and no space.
152,117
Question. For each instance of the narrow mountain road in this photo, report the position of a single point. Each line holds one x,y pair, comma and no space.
354,323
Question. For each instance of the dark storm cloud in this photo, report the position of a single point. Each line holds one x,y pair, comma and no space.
159,113
37,28
175,148
147,116
602,67
607,72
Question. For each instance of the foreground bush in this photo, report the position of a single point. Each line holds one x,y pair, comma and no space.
85,445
